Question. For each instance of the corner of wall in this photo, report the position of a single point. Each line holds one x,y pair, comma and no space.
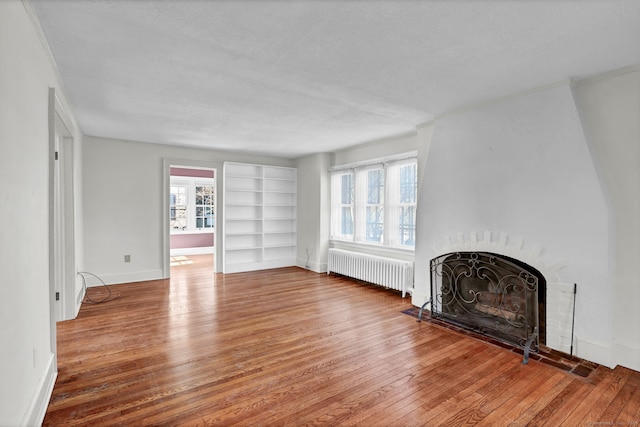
595,351
37,408
316,267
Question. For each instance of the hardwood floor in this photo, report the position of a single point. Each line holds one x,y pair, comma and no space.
292,347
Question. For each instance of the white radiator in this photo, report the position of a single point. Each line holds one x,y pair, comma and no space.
388,272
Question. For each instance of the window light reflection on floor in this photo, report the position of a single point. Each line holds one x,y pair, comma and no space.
179,260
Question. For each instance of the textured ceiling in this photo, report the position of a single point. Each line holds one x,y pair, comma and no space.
290,78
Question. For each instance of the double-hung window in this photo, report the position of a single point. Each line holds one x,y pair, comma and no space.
346,205
375,206
191,204
205,204
178,205
407,204
375,203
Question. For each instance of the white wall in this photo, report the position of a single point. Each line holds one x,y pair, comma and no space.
27,364
610,111
314,207
375,150
123,203
522,167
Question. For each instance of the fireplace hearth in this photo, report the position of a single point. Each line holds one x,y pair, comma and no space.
491,294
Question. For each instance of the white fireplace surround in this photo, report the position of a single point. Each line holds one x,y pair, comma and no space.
522,166
559,304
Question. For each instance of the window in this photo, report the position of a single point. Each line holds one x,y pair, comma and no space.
178,207
408,199
346,205
204,206
376,204
191,204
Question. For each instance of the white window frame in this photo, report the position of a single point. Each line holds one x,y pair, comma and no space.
344,202
377,205
405,204
191,183
391,207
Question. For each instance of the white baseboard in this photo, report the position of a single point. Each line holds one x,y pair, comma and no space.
595,351
313,266
37,408
135,276
418,299
627,355
79,299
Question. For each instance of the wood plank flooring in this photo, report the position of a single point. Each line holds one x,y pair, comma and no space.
289,347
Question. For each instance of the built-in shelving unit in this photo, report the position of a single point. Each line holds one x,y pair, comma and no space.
259,217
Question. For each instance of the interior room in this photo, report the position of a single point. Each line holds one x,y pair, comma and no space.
400,132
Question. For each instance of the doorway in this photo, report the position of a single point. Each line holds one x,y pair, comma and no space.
190,212
64,290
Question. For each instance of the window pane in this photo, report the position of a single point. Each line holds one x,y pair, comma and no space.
178,195
178,207
347,189
408,225
408,184
346,221
375,223
375,184
178,218
204,206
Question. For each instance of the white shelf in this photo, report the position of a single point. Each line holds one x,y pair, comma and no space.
259,217
242,248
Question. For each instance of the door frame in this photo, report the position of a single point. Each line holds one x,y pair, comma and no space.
167,164
62,216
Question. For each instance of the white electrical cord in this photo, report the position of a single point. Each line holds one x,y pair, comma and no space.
109,296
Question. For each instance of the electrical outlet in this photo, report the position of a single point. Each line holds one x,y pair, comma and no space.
127,258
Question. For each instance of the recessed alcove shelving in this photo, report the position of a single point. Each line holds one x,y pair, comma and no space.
259,217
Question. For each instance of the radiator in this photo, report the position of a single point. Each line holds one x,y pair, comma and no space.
388,272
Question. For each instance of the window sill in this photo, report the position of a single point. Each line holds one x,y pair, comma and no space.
373,249
203,231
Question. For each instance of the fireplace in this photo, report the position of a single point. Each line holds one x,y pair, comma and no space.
491,294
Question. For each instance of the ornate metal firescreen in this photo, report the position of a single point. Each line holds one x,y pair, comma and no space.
488,293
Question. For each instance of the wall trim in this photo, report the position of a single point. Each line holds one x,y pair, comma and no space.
418,299
37,408
594,351
627,355
312,266
135,276
79,300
